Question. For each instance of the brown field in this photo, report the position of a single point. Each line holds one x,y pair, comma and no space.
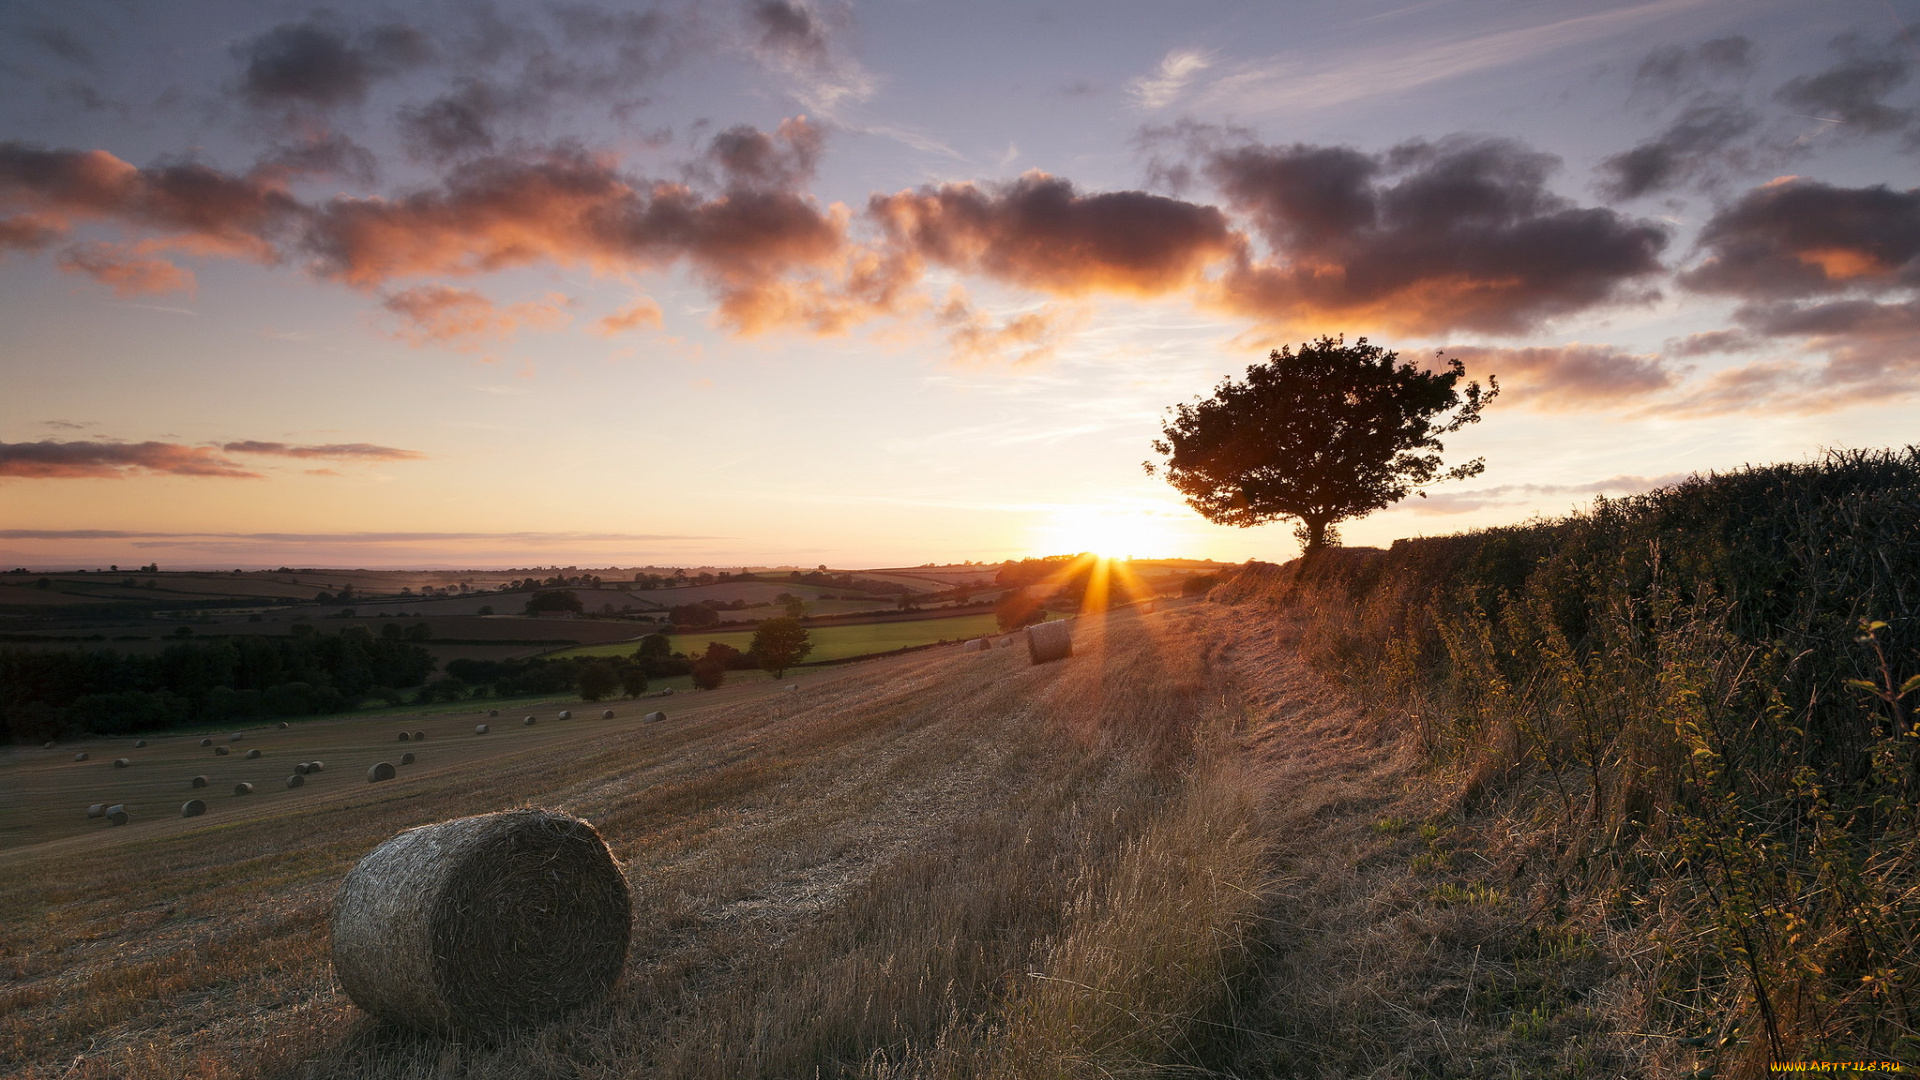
1174,853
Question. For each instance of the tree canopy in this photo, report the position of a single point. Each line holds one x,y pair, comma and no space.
1327,433
779,644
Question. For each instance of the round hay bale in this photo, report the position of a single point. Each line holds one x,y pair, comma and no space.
418,735
98,809
316,765
606,714
220,751
253,753
48,746
1049,641
198,781
203,742
565,715
121,763
193,808
528,722
977,645
493,712
382,771
243,789
296,780
302,769
406,759
404,736
118,815
140,744
235,737
482,922
1146,608
668,692
655,717
81,756
479,729
793,688
284,725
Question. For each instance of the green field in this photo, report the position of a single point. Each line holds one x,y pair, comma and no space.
829,642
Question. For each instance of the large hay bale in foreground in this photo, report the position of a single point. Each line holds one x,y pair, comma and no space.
1049,641
482,922
382,771
193,808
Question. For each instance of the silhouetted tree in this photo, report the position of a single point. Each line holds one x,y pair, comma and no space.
598,680
778,644
633,680
1017,609
554,600
1328,433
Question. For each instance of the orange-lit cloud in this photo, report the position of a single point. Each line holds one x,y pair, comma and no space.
124,270
1799,238
642,314
1570,377
465,320
1029,337
52,459
338,451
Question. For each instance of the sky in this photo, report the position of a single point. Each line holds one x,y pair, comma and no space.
798,282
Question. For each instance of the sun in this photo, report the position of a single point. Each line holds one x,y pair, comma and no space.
1113,534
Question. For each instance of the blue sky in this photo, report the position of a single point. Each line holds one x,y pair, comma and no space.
769,282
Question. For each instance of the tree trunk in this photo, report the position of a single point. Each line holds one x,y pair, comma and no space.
1316,537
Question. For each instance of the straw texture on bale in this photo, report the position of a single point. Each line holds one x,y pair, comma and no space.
565,715
480,729
81,756
655,717
220,750
193,808
406,759
296,780
140,744
118,815
482,922
404,736
199,781
1049,641
254,753
382,771
243,789
606,714
121,763
203,742
302,769
98,809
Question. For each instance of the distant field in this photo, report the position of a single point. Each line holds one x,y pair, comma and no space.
829,642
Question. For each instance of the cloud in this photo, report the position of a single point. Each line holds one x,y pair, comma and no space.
1799,238
124,270
52,459
1693,148
1038,232
1424,238
1852,90
467,321
1029,337
794,39
1709,342
27,232
339,451
642,314
1176,70
751,159
61,42
317,63
317,151
1672,71
1570,377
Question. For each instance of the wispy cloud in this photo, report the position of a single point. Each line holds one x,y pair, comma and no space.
1176,71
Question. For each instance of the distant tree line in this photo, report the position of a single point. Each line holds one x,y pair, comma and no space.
47,693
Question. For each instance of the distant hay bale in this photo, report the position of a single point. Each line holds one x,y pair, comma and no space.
296,780
220,751
198,781
528,722
121,763
606,714
404,736
793,688
302,769
140,744
1049,641
1006,642
49,745
284,725
668,692
418,735
81,756
193,808
98,809
655,717
254,753
382,771
406,759
493,712
565,715
118,815
243,789
203,742
1146,608
316,765
235,737
482,922
977,645
480,729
